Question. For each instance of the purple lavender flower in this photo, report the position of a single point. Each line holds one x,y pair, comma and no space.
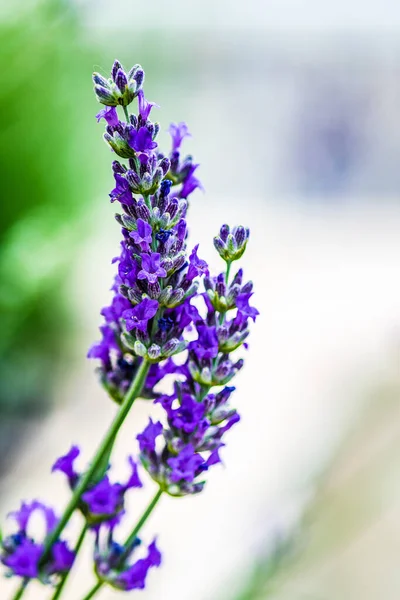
134,577
206,346
104,499
141,140
242,303
142,235
122,191
110,115
24,561
197,266
178,133
62,558
147,439
23,555
187,416
145,106
185,466
138,317
151,269
65,464
113,561
190,183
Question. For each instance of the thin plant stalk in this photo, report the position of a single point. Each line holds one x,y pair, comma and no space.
131,395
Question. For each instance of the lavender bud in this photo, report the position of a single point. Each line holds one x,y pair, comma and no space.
224,232
118,168
142,211
176,298
121,80
247,288
140,349
172,347
172,208
157,177
132,72
238,277
165,165
154,352
134,296
100,80
231,244
147,182
154,290
115,68
181,230
133,179
219,245
139,77
105,96
165,295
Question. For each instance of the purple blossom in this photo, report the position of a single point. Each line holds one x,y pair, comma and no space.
134,480
114,312
134,577
23,515
185,466
24,561
63,558
139,316
109,113
188,415
104,498
206,345
65,464
147,439
102,349
122,191
197,266
145,106
151,269
141,140
178,133
190,183
142,236
242,302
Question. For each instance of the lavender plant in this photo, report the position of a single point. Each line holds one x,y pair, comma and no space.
158,311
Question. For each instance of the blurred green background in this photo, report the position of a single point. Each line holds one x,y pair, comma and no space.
48,178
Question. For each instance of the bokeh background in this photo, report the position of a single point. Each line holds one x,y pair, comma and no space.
294,110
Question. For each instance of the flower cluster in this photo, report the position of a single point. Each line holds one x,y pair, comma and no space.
178,454
113,561
102,501
157,311
23,555
155,273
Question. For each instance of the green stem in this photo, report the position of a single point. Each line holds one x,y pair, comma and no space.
94,590
221,317
228,270
126,114
131,395
21,590
129,540
64,579
141,522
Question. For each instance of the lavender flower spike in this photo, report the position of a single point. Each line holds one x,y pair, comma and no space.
164,303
